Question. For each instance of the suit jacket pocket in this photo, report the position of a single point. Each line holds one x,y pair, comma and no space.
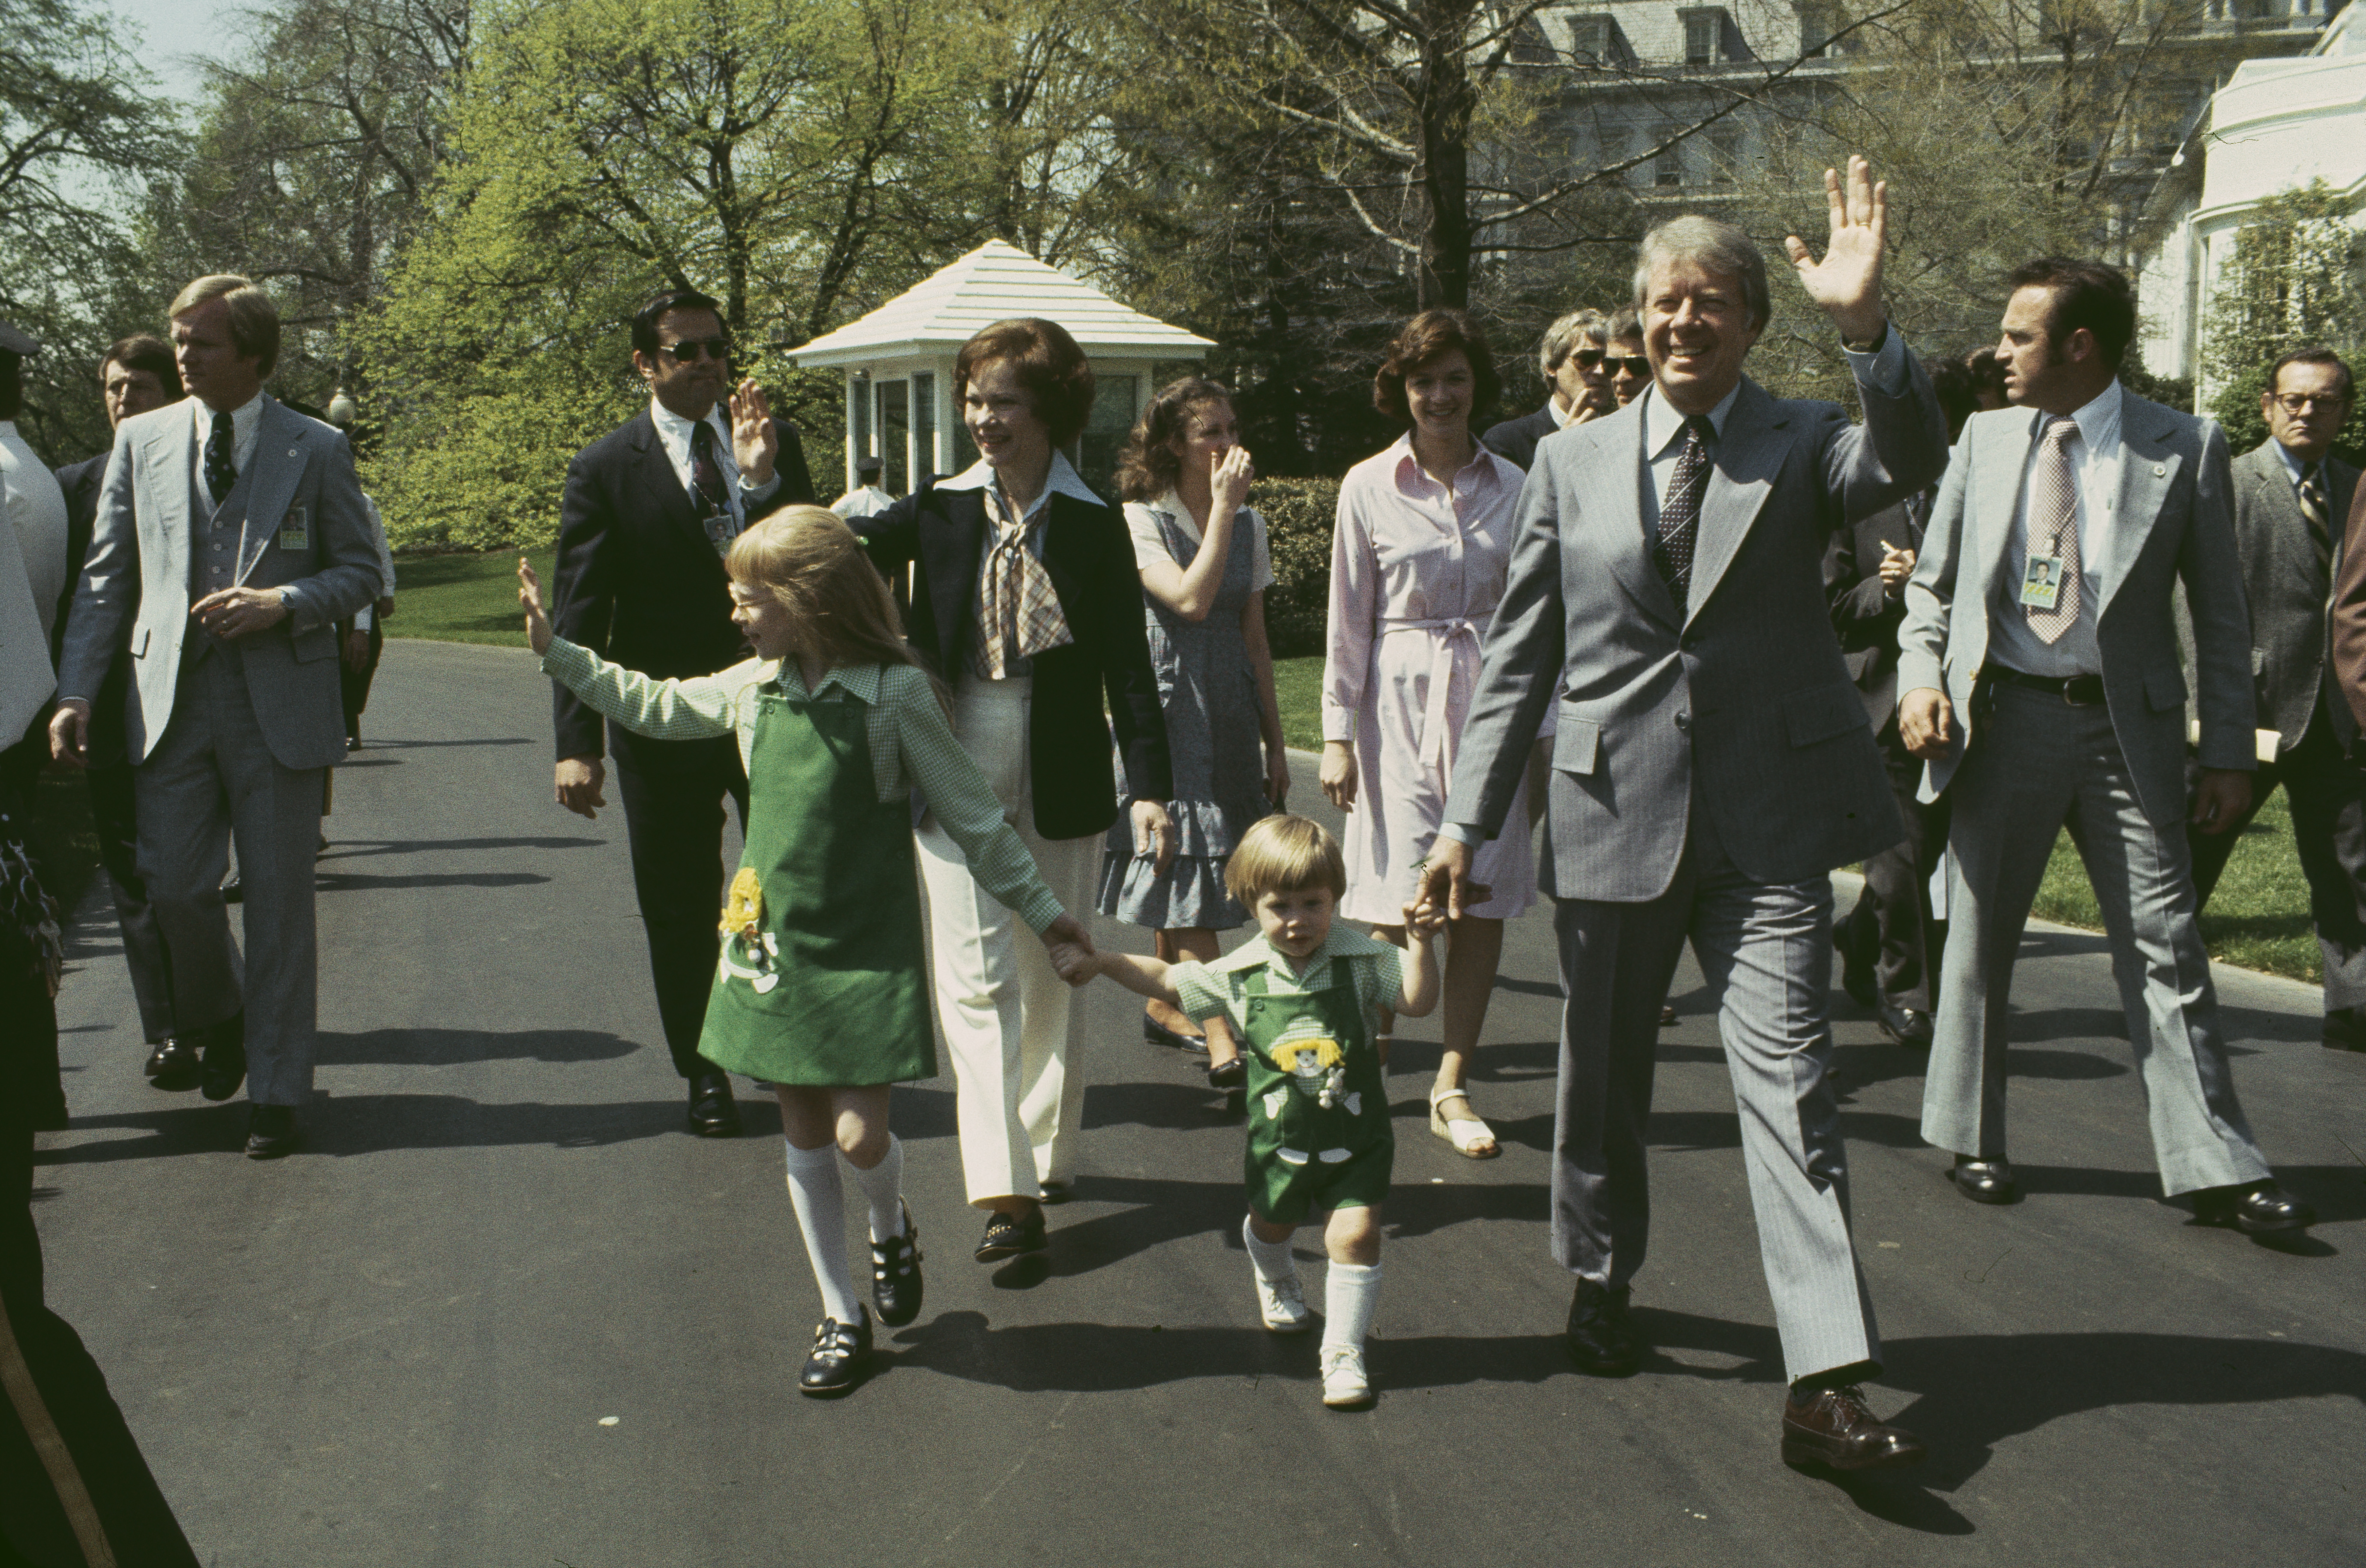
1821,712
1577,744
2164,689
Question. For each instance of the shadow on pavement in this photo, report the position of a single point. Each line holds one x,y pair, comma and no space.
356,848
368,1125
355,882
450,1047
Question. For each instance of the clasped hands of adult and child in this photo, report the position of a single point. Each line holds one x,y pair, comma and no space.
1077,963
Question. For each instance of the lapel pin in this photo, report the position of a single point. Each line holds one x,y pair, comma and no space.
2157,469
291,452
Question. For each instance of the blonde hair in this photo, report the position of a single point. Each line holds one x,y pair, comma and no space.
810,561
1285,854
253,319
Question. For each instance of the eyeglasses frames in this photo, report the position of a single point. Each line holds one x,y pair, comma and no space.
2301,403
689,349
1633,364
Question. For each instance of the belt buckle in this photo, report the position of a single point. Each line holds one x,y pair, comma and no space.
2071,685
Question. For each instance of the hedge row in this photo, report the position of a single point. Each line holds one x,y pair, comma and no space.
1298,514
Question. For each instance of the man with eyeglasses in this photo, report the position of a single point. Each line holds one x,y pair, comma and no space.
650,509
2290,494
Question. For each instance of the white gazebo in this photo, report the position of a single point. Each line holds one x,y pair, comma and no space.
899,361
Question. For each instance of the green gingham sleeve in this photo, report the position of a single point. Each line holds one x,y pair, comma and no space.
964,802
1202,991
1379,980
698,708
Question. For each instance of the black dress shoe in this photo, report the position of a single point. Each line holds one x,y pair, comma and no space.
2344,1029
173,1065
1158,1033
234,890
1009,1236
1985,1180
223,1068
713,1112
840,1352
1602,1338
1833,1429
270,1132
1056,1191
1667,1016
1230,1074
2261,1208
895,1274
1909,1027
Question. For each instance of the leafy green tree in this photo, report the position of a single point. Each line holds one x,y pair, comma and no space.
2294,281
81,132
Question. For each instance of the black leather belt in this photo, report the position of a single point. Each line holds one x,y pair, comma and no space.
2079,691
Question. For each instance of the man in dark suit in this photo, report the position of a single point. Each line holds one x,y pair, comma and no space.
1711,765
1889,946
1570,357
650,510
2039,663
137,374
2290,494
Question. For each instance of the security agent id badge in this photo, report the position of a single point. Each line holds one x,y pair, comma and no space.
2041,582
720,531
295,530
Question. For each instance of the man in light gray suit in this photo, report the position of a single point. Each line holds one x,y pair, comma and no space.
2039,660
2291,495
1712,762
229,539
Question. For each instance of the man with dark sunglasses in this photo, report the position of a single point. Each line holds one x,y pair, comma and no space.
649,511
1629,367
1570,358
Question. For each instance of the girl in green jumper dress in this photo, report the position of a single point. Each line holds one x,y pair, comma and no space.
1302,999
820,988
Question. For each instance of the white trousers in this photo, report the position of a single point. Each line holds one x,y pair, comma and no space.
1009,1022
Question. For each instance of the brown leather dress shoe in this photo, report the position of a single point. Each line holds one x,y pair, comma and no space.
1833,1429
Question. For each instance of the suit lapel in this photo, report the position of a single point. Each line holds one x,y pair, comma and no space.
661,487
1750,452
1620,537
2148,468
1997,475
171,467
278,464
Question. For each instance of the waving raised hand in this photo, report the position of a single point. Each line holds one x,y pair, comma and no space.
1847,282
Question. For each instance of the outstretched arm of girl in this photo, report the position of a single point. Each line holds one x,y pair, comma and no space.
1418,992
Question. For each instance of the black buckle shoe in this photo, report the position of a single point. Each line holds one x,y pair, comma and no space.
1909,1027
713,1112
271,1132
2261,1208
896,1273
1158,1033
1602,1338
1985,1180
839,1353
1008,1236
1234,1074
172,1065
224,1068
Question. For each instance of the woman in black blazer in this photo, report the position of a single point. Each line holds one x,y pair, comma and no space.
1023,598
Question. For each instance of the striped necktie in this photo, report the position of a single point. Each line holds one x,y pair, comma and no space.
2314,512
2054,529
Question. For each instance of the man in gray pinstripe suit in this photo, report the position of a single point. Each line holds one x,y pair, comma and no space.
1712,762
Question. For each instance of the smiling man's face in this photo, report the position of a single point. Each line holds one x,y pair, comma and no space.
1697,332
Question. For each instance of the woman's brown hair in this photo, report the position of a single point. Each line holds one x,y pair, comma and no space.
1051,367
1148,467
810,560
1423,339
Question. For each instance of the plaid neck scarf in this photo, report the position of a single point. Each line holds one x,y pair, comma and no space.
1018,610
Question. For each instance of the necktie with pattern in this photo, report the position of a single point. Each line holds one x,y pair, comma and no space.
1672,551
2314,512
2054,529
221,473
706,471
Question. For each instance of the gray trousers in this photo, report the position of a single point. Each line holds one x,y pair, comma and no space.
212,775
1766,952
2037,765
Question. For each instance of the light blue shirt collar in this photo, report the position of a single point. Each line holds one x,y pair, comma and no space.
2296,470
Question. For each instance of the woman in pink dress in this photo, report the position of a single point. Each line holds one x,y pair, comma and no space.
1417,564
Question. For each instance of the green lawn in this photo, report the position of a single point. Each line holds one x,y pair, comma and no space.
2258,918
463,598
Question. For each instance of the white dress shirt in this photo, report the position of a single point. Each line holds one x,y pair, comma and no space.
2094,454
674,432
245,430
869,501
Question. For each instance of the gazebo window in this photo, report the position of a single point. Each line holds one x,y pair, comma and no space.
894,427
1106,430
924,427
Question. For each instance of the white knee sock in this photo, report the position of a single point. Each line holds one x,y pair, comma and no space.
883,1184
1348,1301
1271,1259
820,1202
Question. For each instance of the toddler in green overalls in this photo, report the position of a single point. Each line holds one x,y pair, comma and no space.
1302,999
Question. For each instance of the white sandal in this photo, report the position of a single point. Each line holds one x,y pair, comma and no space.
1462,1133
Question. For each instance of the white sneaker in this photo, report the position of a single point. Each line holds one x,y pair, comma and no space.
1343,1384
1284,1305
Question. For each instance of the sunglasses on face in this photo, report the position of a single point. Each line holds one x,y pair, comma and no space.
1632,363
687,351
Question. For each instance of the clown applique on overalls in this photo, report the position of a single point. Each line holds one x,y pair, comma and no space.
750,951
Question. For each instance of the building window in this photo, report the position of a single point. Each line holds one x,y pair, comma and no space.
1668,169
1589,39
1724,158
1702,31
1816,29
